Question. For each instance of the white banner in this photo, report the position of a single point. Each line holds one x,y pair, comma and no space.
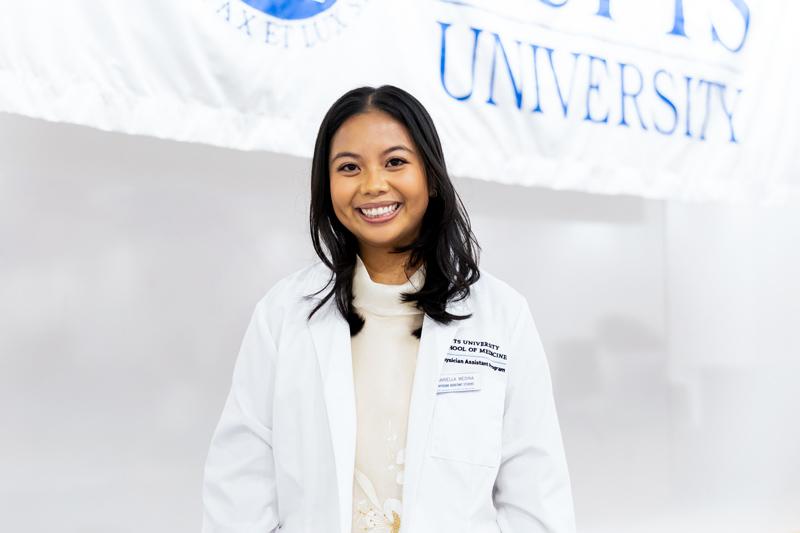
687,99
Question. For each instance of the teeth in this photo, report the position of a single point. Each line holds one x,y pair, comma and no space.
379,211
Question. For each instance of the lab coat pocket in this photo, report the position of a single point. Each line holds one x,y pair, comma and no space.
467,424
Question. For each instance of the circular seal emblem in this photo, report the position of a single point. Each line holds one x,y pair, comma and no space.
289,24
291,9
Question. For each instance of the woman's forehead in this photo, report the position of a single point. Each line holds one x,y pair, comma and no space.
370,132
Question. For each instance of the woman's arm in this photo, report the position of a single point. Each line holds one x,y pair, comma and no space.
239,493
532,491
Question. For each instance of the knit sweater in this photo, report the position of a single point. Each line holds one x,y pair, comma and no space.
384,360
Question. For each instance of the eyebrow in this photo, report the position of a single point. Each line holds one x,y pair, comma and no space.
356,156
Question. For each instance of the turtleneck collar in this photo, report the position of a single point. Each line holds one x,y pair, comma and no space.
384,298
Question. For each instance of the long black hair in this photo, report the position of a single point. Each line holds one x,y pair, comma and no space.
446,245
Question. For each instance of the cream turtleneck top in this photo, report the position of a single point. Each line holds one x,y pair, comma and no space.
384,359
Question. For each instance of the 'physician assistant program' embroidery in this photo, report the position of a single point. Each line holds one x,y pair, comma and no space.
476,352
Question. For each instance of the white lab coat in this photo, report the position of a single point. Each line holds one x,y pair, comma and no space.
489,460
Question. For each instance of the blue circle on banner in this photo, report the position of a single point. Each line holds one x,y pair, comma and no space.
291,9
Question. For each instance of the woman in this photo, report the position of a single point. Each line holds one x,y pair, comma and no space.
391,386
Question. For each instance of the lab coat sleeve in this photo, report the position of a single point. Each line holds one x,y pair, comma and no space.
239,493
532,491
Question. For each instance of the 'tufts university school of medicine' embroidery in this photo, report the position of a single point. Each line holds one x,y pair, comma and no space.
477,352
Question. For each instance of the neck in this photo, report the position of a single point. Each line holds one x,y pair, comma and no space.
385,267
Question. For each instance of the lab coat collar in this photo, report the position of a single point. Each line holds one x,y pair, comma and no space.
330,334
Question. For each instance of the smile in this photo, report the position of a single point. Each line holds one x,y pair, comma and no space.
379,214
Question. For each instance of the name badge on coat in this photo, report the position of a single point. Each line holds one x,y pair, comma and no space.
458,382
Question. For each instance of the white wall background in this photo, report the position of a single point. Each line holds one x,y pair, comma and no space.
129,267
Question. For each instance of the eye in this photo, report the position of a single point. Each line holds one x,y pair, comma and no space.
344,169
397,159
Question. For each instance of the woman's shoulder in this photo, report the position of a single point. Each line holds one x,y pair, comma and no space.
492,291
498,312
291,288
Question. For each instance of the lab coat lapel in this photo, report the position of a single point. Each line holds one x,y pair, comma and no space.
330,334
434,344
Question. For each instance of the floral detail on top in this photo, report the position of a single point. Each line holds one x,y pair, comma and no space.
370,515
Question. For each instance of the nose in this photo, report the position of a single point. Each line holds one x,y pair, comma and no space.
373,182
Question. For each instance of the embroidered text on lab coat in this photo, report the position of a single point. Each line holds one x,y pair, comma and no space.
476,352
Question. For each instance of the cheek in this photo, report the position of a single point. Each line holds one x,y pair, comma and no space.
416,194
419,201
421,207
339,197
416,212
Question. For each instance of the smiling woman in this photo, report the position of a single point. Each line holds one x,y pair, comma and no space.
379,194
378,148
392,383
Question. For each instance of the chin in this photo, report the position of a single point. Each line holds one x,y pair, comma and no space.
379,241
389,243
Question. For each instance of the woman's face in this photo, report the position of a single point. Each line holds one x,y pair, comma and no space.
378,185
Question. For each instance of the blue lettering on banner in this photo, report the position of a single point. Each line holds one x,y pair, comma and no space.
593,88
744,11
662,96
678,21
604,9
601,90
